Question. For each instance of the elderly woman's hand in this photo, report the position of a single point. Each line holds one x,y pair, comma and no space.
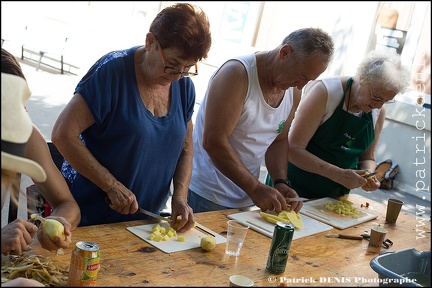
372,184
181,210
351,179
121,199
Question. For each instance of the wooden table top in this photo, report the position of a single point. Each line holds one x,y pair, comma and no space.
127,260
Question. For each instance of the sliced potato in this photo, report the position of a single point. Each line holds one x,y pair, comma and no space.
284,216
292,217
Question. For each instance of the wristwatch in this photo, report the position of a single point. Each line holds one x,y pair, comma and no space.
284,181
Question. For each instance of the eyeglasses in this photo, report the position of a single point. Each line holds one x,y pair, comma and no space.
174,71
378,99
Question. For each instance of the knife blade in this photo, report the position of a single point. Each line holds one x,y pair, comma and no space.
197,225
369,175
140,210
143,211
297,199
342,236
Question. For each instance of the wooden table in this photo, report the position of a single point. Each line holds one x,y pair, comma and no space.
127,260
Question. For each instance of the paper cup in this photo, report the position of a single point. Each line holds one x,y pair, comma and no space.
240,281
377,236
393,209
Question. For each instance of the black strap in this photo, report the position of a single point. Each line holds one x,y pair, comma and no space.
284,181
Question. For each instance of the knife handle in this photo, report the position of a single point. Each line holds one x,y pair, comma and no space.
350,237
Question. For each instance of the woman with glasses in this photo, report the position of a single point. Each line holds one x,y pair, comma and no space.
133,109
337,127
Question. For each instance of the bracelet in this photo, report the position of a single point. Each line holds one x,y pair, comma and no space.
280,181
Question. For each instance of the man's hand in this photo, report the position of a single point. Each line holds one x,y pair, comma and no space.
268,198
288,192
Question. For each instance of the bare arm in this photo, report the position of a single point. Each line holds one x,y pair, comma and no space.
72,121
277,154
181,180
276,157
227,93
367,160
55,190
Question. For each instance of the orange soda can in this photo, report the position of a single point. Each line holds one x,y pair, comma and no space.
84,265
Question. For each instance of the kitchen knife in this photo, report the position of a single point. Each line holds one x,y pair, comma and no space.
197,225
342,236
297,199
369,175
140,210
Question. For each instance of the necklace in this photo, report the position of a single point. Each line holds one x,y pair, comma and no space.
272,101
265,73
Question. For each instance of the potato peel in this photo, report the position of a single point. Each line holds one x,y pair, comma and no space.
35,267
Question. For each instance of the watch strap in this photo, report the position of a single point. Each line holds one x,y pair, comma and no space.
280,181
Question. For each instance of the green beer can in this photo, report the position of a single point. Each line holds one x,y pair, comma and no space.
279,248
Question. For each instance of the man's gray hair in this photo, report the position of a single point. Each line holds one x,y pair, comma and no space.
307,41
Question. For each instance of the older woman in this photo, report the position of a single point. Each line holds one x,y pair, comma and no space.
337,127
133,109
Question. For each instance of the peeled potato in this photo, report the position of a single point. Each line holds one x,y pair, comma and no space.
208,243
51,227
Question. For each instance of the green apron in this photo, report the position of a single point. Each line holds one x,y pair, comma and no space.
340,140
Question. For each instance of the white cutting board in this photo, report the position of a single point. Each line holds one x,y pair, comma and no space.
193,238
316,209
255,222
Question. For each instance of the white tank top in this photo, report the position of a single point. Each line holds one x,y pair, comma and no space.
335,94
256,129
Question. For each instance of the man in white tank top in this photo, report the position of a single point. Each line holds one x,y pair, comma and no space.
244,120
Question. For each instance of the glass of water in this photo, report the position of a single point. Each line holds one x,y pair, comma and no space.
236,234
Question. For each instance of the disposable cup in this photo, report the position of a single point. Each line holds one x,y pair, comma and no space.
377,236
240,281
393,209
236,234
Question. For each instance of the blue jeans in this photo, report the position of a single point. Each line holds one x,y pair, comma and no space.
200,204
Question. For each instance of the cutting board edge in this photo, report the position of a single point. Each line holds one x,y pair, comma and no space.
139,233
322,226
